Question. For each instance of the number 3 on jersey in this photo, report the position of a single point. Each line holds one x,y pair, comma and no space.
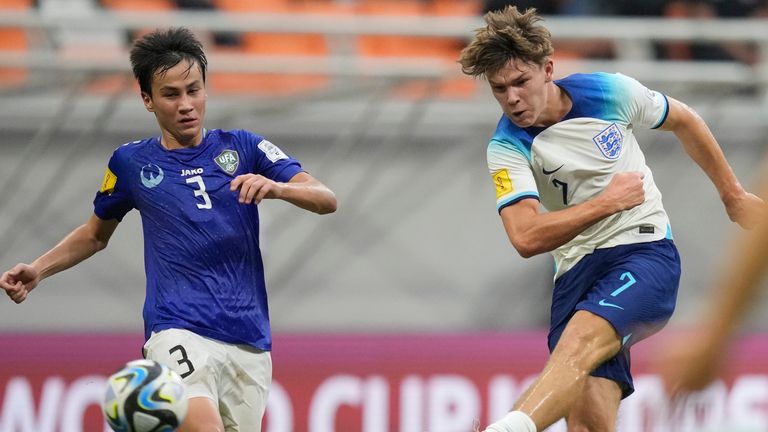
201,192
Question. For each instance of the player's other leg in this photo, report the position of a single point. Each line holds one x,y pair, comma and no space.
597,408
244,391
202,416
587,341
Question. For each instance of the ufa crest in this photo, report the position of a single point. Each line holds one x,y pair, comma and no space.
228,160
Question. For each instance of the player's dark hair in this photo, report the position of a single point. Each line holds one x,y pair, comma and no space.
508,35
159,51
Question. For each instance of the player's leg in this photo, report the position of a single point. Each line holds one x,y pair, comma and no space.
244,389
202,416
597,408
198,361
587,341
620,296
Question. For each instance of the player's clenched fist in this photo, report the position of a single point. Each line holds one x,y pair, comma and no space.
255,187
625,190
746,209
19,281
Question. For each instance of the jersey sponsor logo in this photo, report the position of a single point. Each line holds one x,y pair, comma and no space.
228,160
151,175
503,183
548,172
189,172
109,182
272,151
609,141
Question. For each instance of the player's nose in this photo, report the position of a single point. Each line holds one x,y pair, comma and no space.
512,97
185,104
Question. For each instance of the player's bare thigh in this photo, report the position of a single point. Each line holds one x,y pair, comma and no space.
202,416
587,341
597,409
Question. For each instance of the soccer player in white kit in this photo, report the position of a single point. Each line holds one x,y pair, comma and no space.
569,146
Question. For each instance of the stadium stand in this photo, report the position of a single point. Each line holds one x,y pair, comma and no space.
416,231
273,44
13,40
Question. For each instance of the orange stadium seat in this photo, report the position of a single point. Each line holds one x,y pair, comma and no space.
15,4
403,46
456,7
439,48
13,40
274,44
138,5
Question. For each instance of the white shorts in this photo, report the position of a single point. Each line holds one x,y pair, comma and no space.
236,377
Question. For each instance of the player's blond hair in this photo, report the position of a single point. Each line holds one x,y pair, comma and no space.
508,35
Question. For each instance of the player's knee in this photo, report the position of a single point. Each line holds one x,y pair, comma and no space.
590,419
585,425
587,344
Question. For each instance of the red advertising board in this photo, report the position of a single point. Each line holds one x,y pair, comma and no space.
373,383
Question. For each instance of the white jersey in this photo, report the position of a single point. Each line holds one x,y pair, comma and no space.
573,160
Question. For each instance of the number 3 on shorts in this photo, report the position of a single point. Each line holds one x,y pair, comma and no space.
183,360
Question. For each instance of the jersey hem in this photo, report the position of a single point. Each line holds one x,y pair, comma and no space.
263,345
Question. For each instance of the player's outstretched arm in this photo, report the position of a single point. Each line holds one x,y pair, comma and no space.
532,232
80,244
302,190
742,207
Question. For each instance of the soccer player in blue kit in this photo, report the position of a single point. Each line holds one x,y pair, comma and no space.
569,146
196,189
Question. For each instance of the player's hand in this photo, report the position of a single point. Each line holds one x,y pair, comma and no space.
688,365
625,190
255,187
746,209
19,281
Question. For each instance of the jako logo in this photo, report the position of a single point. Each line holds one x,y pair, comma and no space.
189,172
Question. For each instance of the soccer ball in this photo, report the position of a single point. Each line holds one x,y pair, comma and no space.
145,396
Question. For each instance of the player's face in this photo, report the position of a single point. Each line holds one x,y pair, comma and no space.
178,101
521,90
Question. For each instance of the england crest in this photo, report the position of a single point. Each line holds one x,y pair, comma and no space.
228,161
609,141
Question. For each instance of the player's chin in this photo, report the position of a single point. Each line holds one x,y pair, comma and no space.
521,120
187,133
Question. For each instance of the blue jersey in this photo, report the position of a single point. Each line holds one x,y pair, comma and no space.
201,246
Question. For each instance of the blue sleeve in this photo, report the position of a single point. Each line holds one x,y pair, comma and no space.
114,199
268,159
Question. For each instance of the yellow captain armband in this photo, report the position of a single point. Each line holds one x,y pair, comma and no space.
503,183
108,185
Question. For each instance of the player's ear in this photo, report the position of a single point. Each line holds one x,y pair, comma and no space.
549,70
147,99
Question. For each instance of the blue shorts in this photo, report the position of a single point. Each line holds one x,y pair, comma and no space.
633,287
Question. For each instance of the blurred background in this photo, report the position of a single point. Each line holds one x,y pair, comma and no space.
367,94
